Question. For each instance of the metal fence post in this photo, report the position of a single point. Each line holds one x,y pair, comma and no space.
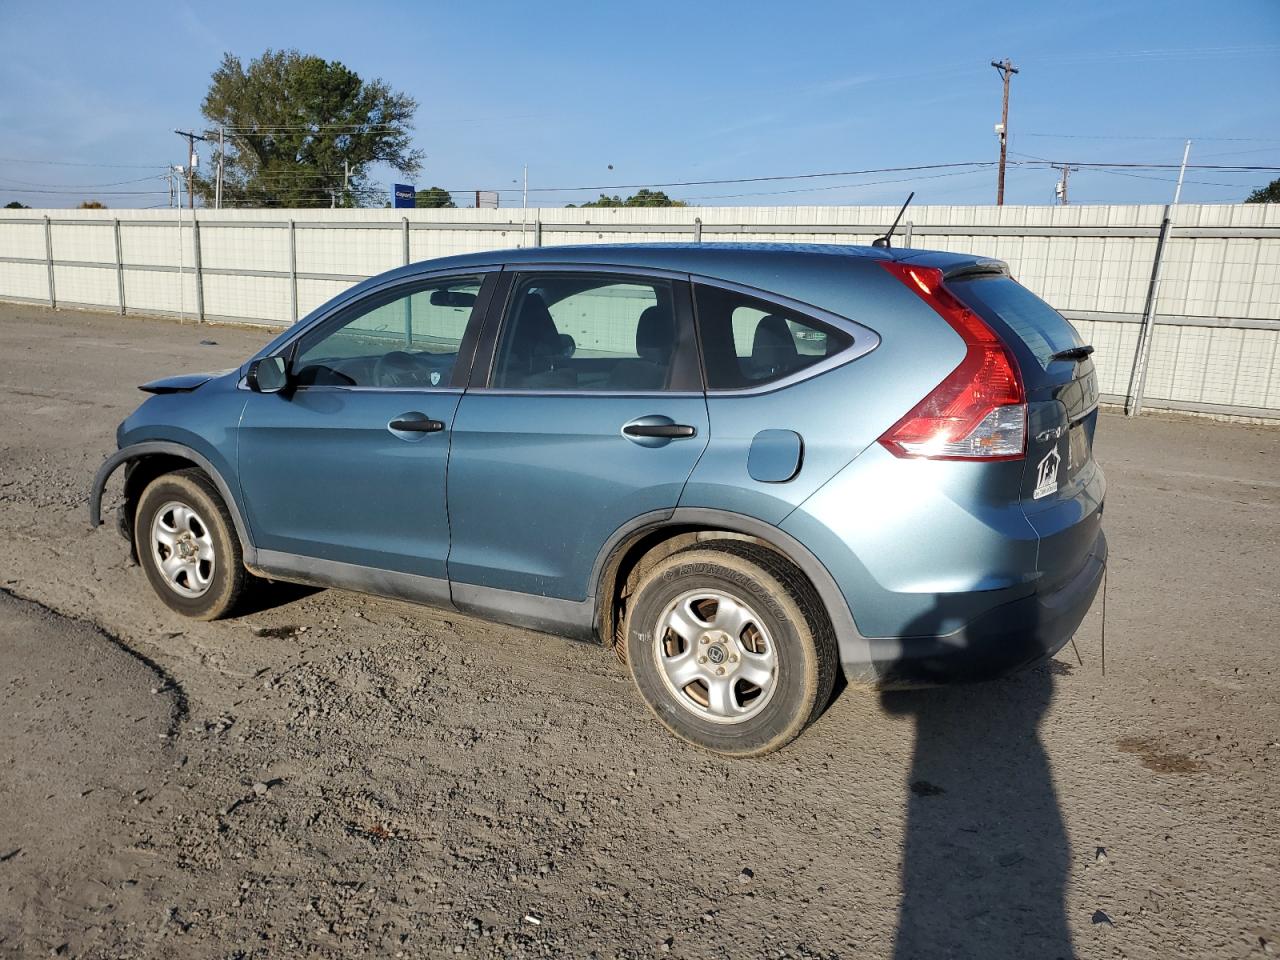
119,265
697,229
404,223
1142,353
906,233
293,270
537,230
48,256
195,247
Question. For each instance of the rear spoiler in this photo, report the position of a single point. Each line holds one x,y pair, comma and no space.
981,268
953,267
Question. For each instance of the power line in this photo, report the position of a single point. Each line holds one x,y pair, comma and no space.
679,183
315,127
1180,139
1168,53
1121,173
836,186
74,163
1236,153
1142,176
102,193
86,186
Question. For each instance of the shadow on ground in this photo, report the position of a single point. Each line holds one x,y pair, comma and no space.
985,854
270,596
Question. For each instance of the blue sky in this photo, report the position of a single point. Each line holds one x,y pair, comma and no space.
677,91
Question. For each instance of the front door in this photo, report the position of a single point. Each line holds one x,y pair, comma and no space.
349,465
588,412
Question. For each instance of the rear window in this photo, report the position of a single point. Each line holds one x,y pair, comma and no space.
1041,328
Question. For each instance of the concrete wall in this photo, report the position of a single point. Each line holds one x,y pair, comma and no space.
1214,348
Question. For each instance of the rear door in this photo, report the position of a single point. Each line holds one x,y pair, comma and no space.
1062,486
586,411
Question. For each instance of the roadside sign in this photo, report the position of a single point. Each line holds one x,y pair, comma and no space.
403,195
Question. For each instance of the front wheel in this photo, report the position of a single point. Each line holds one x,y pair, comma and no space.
187,545
730,647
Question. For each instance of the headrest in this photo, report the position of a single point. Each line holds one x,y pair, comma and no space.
773,345
655,334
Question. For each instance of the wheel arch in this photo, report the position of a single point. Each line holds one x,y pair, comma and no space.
652,537
149,459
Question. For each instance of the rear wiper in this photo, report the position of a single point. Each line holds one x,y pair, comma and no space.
1073,353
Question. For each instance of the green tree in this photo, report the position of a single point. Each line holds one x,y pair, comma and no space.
433,197
15,205
642,198
91,205
292,119
1268,194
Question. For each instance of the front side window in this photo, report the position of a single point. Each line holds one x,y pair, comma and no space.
587,333
410,340
748,342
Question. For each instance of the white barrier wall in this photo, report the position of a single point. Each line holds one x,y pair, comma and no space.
1214,346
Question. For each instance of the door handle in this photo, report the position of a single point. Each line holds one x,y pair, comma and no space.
668,431
415,423
656,430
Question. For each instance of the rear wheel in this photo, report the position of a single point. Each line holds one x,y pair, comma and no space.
730,647
187,545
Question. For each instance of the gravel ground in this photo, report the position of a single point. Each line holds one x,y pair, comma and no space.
334,775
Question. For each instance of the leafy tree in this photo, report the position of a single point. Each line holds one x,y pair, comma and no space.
92,205
1268,194
292,119
434,197
643,198
15,205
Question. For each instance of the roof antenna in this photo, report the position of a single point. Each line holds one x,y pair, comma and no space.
884,241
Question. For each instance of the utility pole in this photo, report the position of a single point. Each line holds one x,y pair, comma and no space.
222,148
192,160
1007,70
1061,188
348,172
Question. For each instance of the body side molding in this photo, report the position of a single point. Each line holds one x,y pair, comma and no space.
317,572
570,618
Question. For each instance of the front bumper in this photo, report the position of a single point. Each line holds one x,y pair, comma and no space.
1006,639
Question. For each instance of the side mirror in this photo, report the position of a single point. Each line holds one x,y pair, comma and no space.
268,375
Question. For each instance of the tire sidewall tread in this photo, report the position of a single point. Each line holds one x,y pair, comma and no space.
803,639
191,486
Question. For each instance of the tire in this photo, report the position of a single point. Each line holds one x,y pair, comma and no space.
182,515
742,610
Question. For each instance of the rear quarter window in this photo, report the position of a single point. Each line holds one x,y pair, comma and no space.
1042,330
748,342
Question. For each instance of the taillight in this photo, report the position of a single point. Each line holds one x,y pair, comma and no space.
979,411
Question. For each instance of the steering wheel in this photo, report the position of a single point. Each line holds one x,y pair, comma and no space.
397,369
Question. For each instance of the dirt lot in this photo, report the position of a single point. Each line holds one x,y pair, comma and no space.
334,775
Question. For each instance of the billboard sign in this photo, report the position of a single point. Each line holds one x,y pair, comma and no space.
403,195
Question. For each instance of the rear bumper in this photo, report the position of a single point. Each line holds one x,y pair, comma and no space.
1007,638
